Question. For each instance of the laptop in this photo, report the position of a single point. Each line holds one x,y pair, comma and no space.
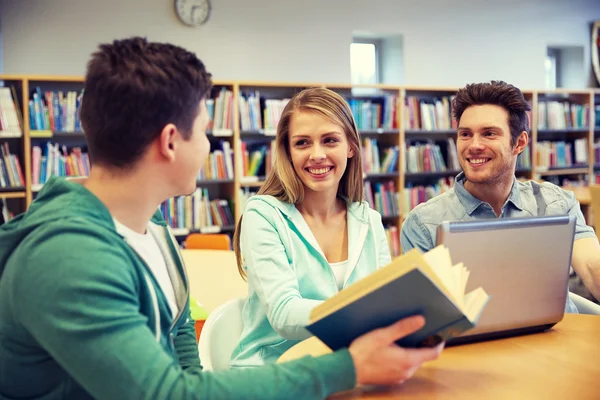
523,263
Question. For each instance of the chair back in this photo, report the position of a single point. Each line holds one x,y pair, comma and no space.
220,334
208,241
595,204
584,306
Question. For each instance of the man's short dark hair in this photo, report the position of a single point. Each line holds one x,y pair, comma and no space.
133,89
497,93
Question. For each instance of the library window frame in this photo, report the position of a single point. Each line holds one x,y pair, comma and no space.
355,65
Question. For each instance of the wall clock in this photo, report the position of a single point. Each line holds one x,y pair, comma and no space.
193,12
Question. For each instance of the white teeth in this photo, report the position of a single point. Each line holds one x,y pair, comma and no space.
478,160
319,171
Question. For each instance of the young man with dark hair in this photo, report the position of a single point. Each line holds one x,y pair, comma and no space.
492,130
94,300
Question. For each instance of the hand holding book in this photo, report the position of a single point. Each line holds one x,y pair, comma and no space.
412,284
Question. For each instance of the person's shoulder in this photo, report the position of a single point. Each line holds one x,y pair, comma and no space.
546,190
72,248
263,203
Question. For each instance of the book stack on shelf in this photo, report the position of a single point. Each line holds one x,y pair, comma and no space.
55,159
198,213
11,173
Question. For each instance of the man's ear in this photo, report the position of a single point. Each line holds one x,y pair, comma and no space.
521,143
167,141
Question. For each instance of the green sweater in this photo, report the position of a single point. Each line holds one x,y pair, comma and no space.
81,316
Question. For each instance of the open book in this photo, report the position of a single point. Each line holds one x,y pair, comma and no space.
414,283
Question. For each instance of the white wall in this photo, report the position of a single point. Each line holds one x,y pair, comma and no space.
571,67
392,60
445,42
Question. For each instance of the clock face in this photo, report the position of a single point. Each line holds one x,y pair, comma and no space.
193,12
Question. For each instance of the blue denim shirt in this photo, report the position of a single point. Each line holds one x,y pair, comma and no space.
526,199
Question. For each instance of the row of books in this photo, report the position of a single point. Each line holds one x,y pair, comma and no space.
429,115
371,160
251,117
383,197
257,160
10,118
524,159
375,113
561,154
597,116
55,111
414,195
11,173
219,164
392,234
56,159
562,115
428,158
220,111
197,212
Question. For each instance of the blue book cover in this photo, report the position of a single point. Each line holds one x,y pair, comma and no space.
408,286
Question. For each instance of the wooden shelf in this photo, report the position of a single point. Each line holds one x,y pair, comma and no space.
220,133
564,171
209,229
257,135
213,182
381,175
440,174
548,134
10,193
41,135
522,171
378,132
416,133
252,184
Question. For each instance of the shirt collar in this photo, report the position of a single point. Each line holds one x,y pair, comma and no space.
471,203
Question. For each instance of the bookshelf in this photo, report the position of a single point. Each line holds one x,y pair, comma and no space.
428,145
563,136
13,152
244,115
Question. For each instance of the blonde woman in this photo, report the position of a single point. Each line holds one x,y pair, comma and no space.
308,233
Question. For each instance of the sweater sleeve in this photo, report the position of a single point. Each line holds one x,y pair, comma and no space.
78,297
185,344
273,278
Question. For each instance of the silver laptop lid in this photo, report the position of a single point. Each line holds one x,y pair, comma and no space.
523,263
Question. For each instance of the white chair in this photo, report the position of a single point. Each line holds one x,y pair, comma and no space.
584,306
220,334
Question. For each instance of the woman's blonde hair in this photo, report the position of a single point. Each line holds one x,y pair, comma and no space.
282,182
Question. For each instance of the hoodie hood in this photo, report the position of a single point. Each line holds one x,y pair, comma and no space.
59,200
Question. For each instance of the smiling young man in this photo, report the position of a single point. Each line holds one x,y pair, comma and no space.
492,130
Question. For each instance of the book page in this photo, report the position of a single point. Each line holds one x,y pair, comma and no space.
440,262
475,300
